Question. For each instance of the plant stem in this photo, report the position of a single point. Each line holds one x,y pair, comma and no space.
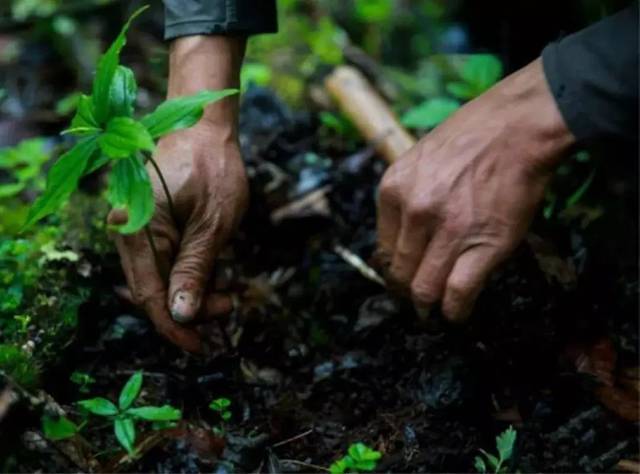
152,244
172,210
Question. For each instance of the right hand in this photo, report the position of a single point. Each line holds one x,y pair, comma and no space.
460,200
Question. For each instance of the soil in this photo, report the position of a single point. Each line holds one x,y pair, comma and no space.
317,356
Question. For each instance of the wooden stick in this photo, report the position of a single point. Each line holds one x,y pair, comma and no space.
369,112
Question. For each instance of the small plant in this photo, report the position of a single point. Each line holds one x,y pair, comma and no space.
478,74
124,415
23,321
221,407
108,133
56,428
359,458
83,380
504,443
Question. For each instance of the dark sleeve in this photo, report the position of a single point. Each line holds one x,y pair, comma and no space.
209,17
593,75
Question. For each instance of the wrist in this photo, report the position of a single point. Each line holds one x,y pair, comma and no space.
532,117
199,63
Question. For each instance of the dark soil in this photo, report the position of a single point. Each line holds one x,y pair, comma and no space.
317,350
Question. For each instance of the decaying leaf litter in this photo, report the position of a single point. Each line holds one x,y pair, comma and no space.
317,356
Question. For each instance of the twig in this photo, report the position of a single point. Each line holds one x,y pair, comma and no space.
305,464
295,438
356,262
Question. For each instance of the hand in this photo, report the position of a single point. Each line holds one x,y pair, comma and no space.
209,190
458,203
205,175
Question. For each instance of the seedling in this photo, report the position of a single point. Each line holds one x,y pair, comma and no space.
359,458
57,428
83,381
221,407
504,443
23,320
124,415
108,134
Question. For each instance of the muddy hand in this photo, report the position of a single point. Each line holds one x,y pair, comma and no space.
458,203
205,175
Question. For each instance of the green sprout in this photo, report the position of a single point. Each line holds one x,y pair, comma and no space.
108,134
359,458
57,428
504,443
221,407
23,321
124,415
82,380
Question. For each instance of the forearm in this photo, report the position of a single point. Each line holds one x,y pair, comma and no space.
208,62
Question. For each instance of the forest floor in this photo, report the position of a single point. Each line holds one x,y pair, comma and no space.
317,356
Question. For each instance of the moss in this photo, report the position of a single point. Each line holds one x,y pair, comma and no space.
19,365
43,283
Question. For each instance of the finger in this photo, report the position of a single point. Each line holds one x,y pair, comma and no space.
409,248
428,284
124,293
388,219
117,217
216,306
191,272
467,278
186,338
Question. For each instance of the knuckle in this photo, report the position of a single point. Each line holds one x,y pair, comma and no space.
421,292
388,190
459,287
419,210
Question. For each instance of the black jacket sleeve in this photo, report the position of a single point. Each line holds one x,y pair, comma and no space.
593,75
208,17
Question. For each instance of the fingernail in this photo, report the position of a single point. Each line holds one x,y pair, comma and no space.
184,307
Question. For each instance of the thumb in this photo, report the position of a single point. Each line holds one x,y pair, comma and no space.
189,277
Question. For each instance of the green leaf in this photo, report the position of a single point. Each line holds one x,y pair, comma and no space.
494,462
480,465
57,428
62,180
482,71
219,404
123,92
99,406
181,112
163,413
430,113
96,162
341,465
107,66
125,432
130,391
85,115
461,90
578,193
361,452
505,442
123,137
226,415
130,189
11,189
